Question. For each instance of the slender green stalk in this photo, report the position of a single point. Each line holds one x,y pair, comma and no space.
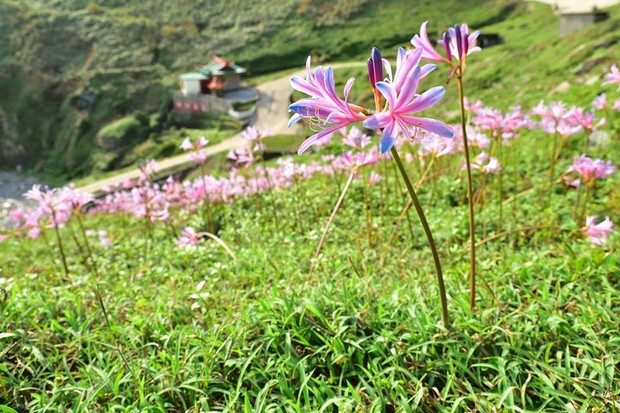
500,219
429,237
576,206
270,188
554,150
470,198
405,209
329,222
586,144
59,242
109,325
207,201
582,216
87,244
368,213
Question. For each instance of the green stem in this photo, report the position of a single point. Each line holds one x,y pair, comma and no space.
59,242
470,198
576,206
329,222
500,221
552,165
87,244
582,217
274,210
429,237
586,144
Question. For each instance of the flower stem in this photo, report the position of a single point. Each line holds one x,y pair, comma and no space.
429,237
582,217
59,242
470,198
329,222
586,144
500,191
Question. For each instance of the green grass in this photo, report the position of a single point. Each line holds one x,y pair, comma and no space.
194,330
201,332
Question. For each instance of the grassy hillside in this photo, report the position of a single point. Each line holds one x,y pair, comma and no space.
71,67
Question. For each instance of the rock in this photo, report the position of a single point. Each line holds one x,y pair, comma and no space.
562,87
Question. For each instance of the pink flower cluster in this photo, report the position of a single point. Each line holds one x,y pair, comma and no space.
589,170
598,234
197,154
53,209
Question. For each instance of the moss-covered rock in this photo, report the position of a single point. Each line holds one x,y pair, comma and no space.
121,132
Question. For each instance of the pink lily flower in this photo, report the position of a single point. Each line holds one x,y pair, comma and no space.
457,45
598,233
324,109
613,76
398,119
189,238
600,102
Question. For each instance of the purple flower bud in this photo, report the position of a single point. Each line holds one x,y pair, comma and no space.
375,67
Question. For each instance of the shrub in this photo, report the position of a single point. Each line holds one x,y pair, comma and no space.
121,132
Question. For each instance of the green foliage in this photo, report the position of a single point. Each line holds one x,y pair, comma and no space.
201,332
121,132
122,57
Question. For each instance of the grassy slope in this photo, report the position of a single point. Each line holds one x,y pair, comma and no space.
361,334
204,333
127,56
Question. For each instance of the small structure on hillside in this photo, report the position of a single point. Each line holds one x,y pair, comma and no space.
215,78
569,22
576,14
216,88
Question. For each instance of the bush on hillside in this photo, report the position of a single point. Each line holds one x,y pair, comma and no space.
119,133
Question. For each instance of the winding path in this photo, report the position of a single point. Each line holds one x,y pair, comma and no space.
271,113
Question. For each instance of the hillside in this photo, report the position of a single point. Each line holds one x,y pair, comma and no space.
68,68
340,280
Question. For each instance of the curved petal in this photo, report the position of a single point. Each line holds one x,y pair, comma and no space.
388,91
409,87
424,101
296,117
426,69
378,120
388,68
430,125
317,136
347,88
311,107
388,138
300,84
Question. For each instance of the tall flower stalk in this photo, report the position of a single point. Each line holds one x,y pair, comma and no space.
396,103
457,44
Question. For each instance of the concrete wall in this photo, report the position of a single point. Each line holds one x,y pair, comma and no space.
200,103
190,87
572,22
232,82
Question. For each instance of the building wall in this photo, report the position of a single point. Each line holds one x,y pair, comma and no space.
200,103
571,22
232,82
190,87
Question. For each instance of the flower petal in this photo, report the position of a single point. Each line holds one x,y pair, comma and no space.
378,120
424,101
409,87
388,138
430,125
388,91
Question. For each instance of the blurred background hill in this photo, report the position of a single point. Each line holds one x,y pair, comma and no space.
68,68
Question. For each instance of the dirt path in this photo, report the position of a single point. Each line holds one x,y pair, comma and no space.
271,113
